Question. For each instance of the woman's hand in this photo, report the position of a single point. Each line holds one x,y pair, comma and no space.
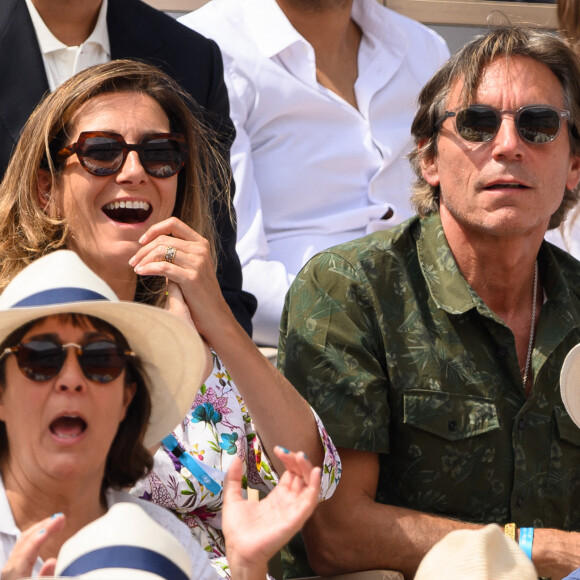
191,276
27,549
255,531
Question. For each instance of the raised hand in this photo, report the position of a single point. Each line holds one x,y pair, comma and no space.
27,549
255,531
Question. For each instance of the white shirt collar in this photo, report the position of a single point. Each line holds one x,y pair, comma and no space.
49,43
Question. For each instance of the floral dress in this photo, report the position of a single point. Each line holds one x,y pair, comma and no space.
216,429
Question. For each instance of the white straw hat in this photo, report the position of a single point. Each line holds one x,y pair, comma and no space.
124,544
570,384
170,349
481,554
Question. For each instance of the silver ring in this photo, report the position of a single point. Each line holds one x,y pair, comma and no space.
170,254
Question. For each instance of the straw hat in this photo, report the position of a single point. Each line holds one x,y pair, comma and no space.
481,554
570,384
170,349
124,544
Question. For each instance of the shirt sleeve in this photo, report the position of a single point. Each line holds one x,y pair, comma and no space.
332,351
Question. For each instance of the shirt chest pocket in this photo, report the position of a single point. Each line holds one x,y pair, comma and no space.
567,430
451,416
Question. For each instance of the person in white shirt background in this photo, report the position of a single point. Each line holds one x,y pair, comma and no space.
322,95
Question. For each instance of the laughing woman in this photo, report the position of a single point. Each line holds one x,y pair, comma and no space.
114,166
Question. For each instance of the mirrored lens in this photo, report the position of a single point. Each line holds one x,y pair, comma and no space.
477,124
161,157
40,360
102,361
102,155
538,124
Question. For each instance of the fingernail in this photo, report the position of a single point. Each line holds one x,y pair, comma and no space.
284,450
56,515
43,531
142,239
132,261
138,269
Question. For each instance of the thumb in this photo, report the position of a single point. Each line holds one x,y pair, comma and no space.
233,482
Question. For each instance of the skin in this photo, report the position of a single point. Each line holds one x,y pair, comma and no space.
494,235
335,38
46,473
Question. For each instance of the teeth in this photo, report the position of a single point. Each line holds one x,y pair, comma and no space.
128,205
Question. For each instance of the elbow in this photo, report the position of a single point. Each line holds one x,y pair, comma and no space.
328,553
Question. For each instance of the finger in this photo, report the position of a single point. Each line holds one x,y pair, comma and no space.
169,227
233,482
48,568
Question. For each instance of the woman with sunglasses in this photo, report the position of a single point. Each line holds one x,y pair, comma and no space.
83,392
114,166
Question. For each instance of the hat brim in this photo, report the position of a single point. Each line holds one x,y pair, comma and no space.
570,384
170,349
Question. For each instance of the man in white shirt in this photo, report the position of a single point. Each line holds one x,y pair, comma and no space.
44,42
322,95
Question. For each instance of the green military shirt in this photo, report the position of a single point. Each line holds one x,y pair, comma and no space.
399,356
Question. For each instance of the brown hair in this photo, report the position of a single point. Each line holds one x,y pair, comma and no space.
569,22
466,66
27,231
128,460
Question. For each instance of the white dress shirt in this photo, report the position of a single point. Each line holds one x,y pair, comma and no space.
312,171
61,61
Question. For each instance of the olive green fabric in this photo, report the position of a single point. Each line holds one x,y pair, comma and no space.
399,356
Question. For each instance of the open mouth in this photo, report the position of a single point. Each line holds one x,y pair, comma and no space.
127,212
507,186
68,427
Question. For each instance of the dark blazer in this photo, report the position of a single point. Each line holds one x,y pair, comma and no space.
136,30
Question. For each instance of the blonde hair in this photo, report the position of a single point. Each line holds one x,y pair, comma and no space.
28,231
467,66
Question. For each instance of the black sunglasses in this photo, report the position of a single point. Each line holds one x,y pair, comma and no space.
103,154
101,361
535,124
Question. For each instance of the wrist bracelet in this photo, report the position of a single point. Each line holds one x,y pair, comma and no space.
526,541
510,531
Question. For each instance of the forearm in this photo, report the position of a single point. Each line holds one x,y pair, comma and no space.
281,416
243,570
555,553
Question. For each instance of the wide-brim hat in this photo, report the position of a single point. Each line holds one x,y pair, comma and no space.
124,544
170,349
570,384
478,555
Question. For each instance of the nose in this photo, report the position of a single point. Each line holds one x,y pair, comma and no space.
507,142
71,377
131,170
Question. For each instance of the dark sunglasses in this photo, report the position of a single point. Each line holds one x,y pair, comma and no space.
535,124
103,154
101,361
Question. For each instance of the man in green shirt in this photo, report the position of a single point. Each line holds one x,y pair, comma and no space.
432,351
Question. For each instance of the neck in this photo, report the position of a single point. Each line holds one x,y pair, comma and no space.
327,25
34,499
71,21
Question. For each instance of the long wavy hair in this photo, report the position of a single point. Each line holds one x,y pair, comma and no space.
28,231
466,66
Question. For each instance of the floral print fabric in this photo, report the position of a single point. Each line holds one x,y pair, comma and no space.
217,428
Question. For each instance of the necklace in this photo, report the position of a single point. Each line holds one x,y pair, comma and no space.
532,326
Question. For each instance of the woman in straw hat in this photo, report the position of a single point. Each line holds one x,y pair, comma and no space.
114,166
83,393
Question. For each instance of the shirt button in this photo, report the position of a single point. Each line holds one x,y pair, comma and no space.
452,425
522,424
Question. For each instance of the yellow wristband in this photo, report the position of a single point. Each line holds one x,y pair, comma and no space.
510,531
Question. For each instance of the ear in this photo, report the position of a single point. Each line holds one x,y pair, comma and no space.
573,173
430,171
43,190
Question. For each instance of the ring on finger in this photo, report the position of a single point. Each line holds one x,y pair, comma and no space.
170,254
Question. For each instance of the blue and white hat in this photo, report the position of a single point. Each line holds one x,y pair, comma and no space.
170,349
570,384
124,544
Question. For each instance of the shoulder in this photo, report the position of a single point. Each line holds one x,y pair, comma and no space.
216,19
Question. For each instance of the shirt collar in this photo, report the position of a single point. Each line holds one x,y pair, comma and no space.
7,523
49,43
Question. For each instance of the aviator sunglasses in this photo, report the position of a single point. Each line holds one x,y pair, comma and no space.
101,361
102,153
535,124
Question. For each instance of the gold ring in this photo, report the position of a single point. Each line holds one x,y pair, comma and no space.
170,254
